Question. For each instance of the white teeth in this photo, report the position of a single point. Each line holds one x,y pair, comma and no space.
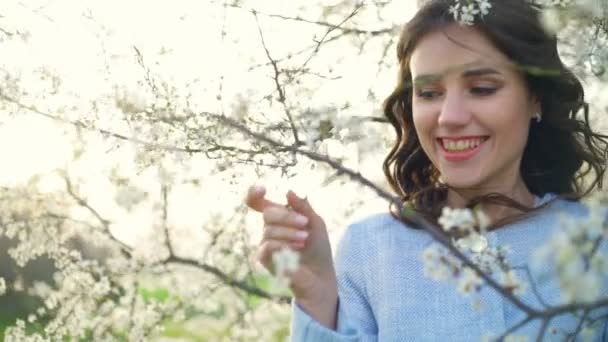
460,145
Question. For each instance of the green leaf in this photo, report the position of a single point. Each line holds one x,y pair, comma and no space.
158,295
261,281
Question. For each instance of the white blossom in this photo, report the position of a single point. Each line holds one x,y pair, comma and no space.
578,266
2,286
285,261
511,281
483,221
438,264
468,282
473,242
464,11
491,337
516,338
551,20
129,196
588,333
456,218
131,101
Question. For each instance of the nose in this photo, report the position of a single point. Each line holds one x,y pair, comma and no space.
454,111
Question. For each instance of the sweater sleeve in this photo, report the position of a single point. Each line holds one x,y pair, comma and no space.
355,320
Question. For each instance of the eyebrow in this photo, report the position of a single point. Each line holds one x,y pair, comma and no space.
430,78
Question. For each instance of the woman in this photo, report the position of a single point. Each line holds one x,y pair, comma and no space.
483,114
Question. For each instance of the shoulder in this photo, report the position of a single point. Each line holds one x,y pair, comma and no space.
556,207
382,223
380,232
545,220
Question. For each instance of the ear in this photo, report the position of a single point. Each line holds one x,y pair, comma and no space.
535,106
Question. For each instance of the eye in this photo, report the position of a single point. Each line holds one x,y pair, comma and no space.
428,94
483,90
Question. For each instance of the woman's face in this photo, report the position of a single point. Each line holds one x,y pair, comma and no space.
471,109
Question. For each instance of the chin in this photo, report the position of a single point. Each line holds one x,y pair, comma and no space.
462,181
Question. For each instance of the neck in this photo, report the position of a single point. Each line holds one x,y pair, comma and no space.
518,191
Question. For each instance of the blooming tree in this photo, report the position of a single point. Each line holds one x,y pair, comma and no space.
145,134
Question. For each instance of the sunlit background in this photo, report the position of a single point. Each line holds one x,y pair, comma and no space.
75,73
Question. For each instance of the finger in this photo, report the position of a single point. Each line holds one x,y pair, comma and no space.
300,205
255,200
284,233
283,216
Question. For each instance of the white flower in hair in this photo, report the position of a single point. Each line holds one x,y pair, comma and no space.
464,11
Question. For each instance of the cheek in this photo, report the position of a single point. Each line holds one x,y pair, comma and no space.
424,126
510,129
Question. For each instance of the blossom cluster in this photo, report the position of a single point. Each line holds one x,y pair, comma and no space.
467,229
579,254
464,11
285,261
575,257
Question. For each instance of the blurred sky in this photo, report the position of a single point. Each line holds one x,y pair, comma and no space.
89,46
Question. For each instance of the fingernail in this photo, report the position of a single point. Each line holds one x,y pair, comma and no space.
301,234
291,193
301,220
298,244
257,189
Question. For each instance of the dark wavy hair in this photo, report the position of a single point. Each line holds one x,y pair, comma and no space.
562,150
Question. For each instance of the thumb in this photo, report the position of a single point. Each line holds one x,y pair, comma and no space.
301,205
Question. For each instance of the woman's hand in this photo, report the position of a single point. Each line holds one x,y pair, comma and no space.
297,225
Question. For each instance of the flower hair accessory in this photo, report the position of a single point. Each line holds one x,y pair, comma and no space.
464,11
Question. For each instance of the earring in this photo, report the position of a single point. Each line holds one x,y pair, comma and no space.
538,117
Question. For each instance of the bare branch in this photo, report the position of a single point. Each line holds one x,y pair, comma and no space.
330,30
280,90
512,329
151,145
579,326
543,329
147,75
438,235
227,279
346,30
164,218
532,282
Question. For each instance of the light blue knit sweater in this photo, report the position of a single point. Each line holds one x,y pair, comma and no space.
385,296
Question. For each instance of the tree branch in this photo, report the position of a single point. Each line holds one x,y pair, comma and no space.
346,30
279,87
439,236
173,259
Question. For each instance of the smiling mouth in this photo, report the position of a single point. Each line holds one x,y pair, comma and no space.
461,144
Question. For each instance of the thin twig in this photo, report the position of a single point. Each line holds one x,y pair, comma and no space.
330,30
164,218
356,176
437,235
579,326
513,328
150,145
347,30
279,87
532,282
543,329
226,279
